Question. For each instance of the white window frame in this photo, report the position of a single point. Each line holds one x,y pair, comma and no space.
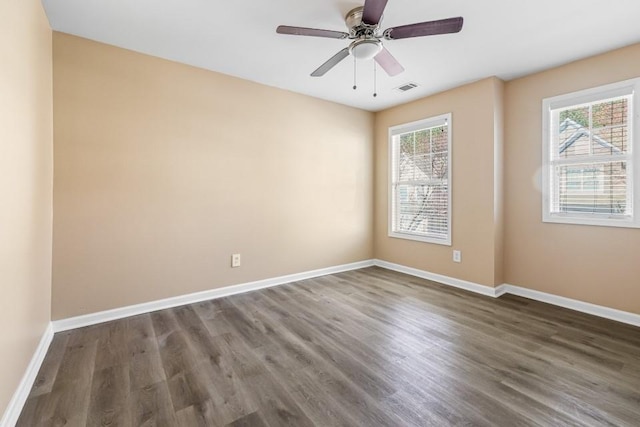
392,181
588,96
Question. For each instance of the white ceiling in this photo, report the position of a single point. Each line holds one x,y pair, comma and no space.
505,38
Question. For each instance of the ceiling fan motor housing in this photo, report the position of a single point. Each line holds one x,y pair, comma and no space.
353,18
357,28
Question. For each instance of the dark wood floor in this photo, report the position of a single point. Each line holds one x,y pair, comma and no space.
364,348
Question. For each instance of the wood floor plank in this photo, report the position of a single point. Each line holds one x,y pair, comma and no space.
201,414
145,363
109,397
112,346
358,348
277,407
72,388
49,369
252,420
224,387
313,398
151,406
36,411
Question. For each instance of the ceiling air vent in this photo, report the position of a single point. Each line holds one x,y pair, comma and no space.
405,87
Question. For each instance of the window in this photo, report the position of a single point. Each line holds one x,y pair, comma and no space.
590,153
420,174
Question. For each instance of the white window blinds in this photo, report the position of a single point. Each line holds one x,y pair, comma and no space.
589,157
420,155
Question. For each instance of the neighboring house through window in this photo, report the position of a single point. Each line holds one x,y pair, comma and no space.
420,180
590,156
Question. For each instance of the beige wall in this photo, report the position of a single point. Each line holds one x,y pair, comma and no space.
25,187
164,170
476,207
594,264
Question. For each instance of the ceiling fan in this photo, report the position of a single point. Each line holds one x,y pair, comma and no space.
364,29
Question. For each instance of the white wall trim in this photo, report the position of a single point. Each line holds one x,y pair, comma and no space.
11,414
147,307
446,280
132,310
572,304
500,290
584,307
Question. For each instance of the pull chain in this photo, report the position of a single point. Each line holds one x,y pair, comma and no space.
355,86
375,80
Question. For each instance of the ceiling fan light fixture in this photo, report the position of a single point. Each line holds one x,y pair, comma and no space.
365,48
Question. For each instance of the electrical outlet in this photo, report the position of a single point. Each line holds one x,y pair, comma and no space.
457,256
235,260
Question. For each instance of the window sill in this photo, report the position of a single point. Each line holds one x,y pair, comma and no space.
418,238
623,222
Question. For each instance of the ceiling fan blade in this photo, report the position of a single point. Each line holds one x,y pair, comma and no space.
431,28
314,32
373,10
332,62
388,62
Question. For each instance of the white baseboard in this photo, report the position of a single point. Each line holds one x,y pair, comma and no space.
147,307
446,280
500,290
584,307
11,414
572,304
132,310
